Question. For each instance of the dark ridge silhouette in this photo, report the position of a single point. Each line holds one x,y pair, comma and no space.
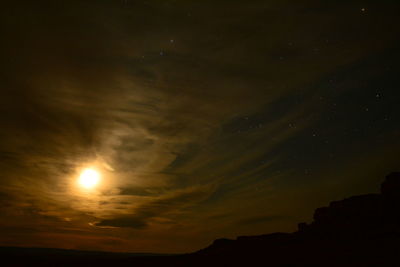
357,231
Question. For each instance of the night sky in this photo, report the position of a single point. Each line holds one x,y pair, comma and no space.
204,119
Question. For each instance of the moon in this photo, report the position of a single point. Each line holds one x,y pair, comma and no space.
89,178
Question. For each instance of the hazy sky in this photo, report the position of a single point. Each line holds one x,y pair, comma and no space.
206,119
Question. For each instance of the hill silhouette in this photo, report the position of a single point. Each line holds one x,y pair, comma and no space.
357,231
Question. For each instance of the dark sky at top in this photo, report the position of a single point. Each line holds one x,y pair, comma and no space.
206,119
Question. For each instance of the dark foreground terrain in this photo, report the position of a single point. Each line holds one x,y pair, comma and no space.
357,231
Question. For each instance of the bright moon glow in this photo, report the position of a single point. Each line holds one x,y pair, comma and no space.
89,178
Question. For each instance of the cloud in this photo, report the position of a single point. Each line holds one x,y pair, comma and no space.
187,128
130,222
139,191
160,207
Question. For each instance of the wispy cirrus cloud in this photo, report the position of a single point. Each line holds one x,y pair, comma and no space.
186,115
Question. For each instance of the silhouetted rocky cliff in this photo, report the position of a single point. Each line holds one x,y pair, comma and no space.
357,231
358,217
